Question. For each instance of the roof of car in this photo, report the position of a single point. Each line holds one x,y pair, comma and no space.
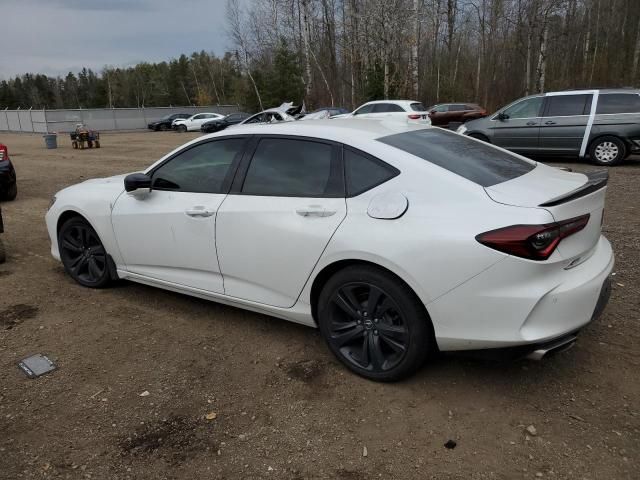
391,101
339,130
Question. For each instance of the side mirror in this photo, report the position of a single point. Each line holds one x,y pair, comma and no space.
137,183
502,116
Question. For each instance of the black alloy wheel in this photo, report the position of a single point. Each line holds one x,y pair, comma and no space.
82,253
374,324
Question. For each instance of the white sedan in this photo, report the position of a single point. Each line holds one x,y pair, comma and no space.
396,241
194,122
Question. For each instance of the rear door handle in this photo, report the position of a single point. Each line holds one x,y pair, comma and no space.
549,123
315,211
532,123
199,212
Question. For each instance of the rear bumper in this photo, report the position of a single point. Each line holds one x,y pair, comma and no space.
516,303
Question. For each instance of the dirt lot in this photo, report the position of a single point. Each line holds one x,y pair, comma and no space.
285,408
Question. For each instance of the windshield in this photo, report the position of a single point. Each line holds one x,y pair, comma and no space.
469,158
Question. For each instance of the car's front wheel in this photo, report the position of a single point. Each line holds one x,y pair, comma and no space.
374,324
182,128
82,253
607,151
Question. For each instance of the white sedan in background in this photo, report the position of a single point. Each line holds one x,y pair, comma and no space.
410,111
396,241
194,122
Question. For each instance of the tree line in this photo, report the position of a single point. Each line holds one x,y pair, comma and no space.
345,52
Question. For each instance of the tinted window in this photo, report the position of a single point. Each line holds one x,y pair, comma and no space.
200,169
365,172
439,108
566,105
618,103
473,160
525,109
294,168
418,107
257,118
364,109
198,117
456,108
386,108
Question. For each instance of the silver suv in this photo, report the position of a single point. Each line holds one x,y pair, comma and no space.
601,124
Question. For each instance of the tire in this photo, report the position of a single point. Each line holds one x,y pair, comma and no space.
82,253
97,143
3,252
182,128
12,192
479,136
607,151
388,347
163,128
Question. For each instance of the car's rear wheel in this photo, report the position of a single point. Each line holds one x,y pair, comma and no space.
12,192
374,324
3,253
163,128
607,151
82,253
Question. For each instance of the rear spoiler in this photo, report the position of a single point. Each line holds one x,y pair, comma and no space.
595,181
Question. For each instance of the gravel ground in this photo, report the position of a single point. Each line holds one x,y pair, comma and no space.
283,407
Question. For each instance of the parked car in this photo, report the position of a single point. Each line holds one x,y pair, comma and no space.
194,122
411,111
603,124
165,122
212,126
396,241
3,252
8,182
443,114
325,112
271,115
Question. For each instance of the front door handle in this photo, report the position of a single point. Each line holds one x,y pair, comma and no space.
199,212
315,211
550,123
531,123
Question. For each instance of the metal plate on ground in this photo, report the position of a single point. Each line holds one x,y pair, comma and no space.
36,366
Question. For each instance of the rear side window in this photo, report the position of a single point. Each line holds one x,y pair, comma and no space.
364,172
618,103
293,168
456,108
473,160
567,105
386,108
418,107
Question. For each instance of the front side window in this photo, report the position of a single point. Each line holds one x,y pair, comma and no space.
197,117
439,108
567,105
618,103
470,159
258,118
293,168
200,169
528,108
364,172
364,109
456,108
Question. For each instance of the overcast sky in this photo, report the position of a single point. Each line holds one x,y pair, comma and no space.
57,36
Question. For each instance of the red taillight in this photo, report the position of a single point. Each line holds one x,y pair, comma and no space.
535,242
4,153
413,116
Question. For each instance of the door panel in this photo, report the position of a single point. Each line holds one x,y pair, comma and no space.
564,123
517,134
170,236
268,246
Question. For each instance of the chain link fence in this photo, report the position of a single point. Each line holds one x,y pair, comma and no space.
101,119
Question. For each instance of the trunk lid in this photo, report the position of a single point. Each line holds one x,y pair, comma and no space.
565,195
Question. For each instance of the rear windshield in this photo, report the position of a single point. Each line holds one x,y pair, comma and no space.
418,107
471,159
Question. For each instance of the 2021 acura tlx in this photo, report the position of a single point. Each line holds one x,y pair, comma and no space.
395,240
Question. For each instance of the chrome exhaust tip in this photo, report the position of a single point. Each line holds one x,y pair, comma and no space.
553,347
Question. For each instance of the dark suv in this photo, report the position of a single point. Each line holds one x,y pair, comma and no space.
603,124
443,114
8,184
